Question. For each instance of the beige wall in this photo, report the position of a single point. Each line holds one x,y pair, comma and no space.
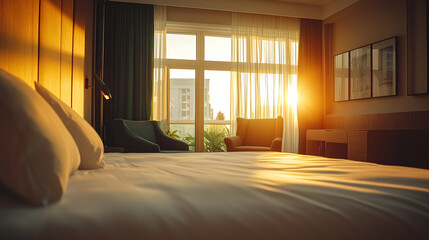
363,23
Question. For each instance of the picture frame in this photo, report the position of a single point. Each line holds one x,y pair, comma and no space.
384,78
341,77
360,73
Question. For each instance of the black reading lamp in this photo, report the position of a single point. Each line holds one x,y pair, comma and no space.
105,92
99,84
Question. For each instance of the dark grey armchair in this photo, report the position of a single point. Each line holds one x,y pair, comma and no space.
144,136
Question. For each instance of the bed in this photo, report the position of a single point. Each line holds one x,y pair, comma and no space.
242,195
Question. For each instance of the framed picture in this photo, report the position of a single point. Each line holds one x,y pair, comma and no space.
384,68
360,73
341,76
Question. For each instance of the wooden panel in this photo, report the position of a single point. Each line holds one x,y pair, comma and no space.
357,145
400,147
66,50
315,148
78,57
19,38
56,57
50,45
336,136
315,134
395,147
336,150
384,121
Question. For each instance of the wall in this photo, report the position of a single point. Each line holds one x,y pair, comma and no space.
44,41
19,32
198,16
363,23
276,8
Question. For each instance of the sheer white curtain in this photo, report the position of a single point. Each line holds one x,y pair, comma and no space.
160,98
264,71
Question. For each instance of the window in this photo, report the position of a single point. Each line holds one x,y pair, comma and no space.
199,69
217,96
181,46
199,62
181,103
217,48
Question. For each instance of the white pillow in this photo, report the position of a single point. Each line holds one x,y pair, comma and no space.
37,152
90,146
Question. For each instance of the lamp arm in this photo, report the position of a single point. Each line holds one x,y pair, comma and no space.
99,84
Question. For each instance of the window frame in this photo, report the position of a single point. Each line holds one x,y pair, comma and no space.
200,65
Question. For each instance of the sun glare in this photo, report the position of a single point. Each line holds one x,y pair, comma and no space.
292,91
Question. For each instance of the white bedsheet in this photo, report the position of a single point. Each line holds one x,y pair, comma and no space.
229,196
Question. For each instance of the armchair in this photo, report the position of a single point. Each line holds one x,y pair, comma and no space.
256,135
144,136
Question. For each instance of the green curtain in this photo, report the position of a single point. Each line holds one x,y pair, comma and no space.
128,62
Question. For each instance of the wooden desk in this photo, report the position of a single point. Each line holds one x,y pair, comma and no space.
398,147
